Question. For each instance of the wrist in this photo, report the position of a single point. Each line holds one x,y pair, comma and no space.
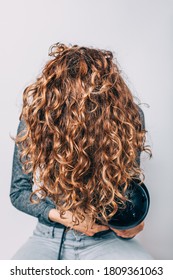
54,216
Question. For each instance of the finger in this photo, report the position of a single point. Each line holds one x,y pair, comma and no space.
127,237
118,231
142,226
101,228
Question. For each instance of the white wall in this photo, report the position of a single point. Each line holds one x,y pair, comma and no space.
139,33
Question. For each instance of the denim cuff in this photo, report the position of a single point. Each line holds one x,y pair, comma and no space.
45,214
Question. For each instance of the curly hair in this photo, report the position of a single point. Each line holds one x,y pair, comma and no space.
83,133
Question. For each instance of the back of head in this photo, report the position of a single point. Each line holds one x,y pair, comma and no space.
83,131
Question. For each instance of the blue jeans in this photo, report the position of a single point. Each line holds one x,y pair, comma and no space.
45,242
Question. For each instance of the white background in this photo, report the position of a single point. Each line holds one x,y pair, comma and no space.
140,35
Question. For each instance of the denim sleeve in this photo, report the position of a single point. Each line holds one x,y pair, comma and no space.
141,114
21,189
142,118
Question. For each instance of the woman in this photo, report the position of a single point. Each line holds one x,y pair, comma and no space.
77,147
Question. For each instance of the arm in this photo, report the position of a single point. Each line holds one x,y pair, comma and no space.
21,189
129,233
86,226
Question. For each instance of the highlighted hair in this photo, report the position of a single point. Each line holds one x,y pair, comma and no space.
83,132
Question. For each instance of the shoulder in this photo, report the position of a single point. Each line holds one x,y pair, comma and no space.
142,117
21,126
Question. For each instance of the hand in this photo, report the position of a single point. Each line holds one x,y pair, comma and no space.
129,233
85,227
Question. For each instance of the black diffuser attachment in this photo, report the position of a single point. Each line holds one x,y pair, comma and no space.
136,207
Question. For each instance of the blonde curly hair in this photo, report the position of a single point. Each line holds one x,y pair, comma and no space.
83,132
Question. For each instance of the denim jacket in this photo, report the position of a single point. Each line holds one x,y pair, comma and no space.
21,188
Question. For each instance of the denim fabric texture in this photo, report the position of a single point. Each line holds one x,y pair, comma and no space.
45,242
